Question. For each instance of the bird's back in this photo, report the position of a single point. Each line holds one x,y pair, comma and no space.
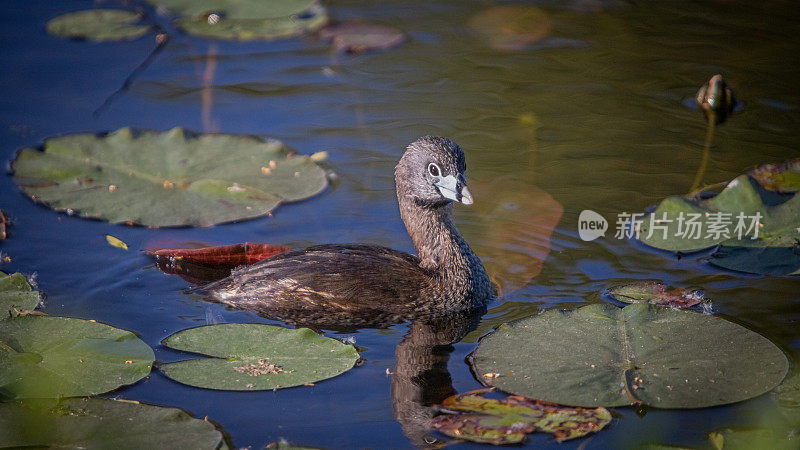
352,283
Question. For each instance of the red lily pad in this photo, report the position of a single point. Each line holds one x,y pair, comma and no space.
473,417
210,263
229,256
783,178
656,293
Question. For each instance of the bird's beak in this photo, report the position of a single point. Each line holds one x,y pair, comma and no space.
455,189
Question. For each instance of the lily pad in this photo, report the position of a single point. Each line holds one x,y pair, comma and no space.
16,295
512,27
758,438
101,25
655,293
782,178
601,355
473,417
246,19
758,231
101,423
174,178
256,357
46,357
357,38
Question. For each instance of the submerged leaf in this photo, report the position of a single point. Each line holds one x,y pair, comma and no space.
101,423
246,19
356,38
256,357
514,240
601,355
507,421
656,293
98,25
174,178
16,295
45,357
512,27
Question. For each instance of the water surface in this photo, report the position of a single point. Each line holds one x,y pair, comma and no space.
592,117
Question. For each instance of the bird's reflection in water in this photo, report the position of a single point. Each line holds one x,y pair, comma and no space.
421,378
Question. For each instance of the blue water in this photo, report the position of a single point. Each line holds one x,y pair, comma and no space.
607,89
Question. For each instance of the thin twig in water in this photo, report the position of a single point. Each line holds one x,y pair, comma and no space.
161,41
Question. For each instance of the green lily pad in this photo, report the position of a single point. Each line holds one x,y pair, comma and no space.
787,397
747,439
174,178
101,25
46,357
246,19
655,293
101,423
256,357
601,355
758,231
473,417
16,295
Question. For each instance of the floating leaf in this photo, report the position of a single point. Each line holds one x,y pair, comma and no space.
114,242
44,357
759,438
787,396
784,178
256,357
98,25
228,256
246,19
601,355
101,423
507,421
758,230
172,178
512,27
283,444
656,293
206,264
357,38
16,295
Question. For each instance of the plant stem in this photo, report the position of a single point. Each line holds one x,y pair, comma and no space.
706,153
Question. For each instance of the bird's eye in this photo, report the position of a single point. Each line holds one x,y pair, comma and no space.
433,169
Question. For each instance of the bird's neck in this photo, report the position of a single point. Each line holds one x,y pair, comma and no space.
441,248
